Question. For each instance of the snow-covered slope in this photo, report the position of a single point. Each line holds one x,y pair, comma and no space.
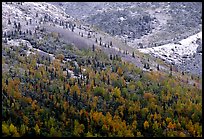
28,10
175,52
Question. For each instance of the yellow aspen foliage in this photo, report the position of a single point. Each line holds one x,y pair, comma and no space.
30,87
65,105
4,86
146,125
144,111
181,134
12,105
140,85
120,71
56,64
37,129
60,57
121,100
36,114
52,132
131,109
117,92
155,116
134,125
92,83
174,125
139,134
105,128
25,120
168,119
94,103
16,134
16,82
151,116
67,123
28,100
196,127
109,118
199,131
131,87
155,125
67,86
178,125
116,126
80,112
128,133
148,96
96,117
191,130
78,128
12,129
5,129
123,81
17,94
123,124
121,109
89,134
75,88
119,133
33,105
159,117
113,76
189,125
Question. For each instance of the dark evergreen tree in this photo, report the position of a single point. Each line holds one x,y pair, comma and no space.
93,48
9,21
158,67
111,43
133,54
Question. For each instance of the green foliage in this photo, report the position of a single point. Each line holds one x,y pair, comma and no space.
111,98
99,91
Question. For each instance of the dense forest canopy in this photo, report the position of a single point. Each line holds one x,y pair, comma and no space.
106,97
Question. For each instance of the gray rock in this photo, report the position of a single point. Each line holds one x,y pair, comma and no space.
199,48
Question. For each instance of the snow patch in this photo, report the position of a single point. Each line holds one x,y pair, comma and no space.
122,18
174,52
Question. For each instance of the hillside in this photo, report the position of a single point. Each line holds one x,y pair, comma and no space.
62,77
149,23
145,25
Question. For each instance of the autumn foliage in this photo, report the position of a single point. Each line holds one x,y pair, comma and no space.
109,98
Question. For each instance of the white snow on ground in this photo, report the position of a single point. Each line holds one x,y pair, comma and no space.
22,13
116,48
122,18
174,52
18,41
29,12
13,42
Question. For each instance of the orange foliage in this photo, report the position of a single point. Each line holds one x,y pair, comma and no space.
171,126
148,96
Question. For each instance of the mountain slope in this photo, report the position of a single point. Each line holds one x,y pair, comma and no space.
181,53
146,25
64,78
169,19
